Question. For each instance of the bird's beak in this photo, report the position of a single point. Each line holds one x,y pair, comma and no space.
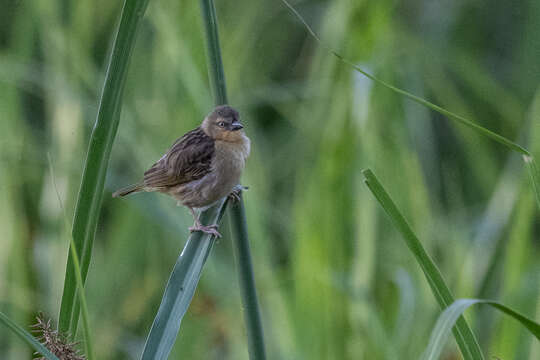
236,126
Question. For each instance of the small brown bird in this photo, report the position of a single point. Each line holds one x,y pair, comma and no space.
201,167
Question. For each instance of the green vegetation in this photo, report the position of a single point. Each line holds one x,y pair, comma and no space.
449,316
27,337
464,336
452,309
334,278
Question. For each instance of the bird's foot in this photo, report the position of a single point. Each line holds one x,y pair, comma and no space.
236,191
207,229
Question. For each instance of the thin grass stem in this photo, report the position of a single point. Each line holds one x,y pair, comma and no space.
91,191
244,265
246,279
88,343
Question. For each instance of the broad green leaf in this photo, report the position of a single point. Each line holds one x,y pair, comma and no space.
447,319
181,288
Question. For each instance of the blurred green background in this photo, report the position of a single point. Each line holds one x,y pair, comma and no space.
335,280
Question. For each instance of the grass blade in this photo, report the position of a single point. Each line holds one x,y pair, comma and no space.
462,332
180,288
481,130
77,269
534,174
244,266
26,337
529,160
448,318
187,271
213,52
95,168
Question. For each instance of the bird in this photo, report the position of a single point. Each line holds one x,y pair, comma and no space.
201,167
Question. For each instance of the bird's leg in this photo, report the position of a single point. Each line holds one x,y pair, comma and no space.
236,191
207,229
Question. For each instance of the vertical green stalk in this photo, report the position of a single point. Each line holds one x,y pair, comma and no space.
247,282
240,241
99,149
187,271
78,277
213,53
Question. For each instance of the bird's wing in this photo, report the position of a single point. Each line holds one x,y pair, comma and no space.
188,159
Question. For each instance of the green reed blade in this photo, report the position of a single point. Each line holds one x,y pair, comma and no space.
500,139
95,168
181,288
462,332
242,256
77,269
447,319
534,174
26,337
244,266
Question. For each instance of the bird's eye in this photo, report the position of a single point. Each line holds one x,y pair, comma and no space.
221,124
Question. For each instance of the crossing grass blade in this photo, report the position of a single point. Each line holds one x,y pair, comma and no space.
95,168
481,130
181,288
464,336
527,156
447,319
26,337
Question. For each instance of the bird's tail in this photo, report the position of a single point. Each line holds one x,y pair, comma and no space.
128,190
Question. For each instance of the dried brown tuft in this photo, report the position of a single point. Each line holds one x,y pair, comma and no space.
54,341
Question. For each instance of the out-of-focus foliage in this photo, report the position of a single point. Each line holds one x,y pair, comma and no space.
335,280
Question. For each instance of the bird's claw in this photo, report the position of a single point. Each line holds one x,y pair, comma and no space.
236,191
209,229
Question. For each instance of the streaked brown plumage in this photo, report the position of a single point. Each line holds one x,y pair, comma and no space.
202,166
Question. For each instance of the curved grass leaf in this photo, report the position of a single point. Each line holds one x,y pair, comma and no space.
447,319
527,156
464,336
26,337
481,130
181,288
95,167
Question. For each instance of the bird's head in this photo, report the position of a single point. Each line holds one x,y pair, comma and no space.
223,124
